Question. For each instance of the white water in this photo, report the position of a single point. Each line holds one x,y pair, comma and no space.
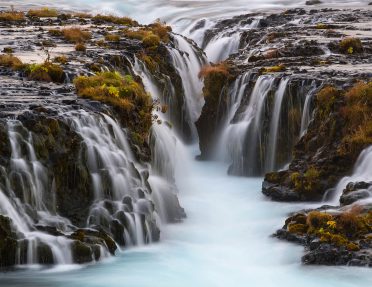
362,172
223,242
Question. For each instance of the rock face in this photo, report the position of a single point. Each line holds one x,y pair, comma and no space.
77,170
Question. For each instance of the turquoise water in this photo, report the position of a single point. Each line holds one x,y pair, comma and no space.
225,241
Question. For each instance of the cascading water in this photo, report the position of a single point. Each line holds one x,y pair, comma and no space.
186,59
119,183
24,198
362,173
275,116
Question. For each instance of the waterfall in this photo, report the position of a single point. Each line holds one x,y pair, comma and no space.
274,126
306,115
362,172
221,44
188,61
265,117
118,180
24,200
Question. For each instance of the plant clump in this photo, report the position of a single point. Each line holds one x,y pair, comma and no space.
61,60
46,72
127,96
10,61
76,35
357,113
114,20
343,229
80,47
43,12
151,35
112,38
351,45
327,98
274,69
12,16
220,69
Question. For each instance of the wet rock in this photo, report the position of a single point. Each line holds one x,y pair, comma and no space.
95,237
8,243
83,253
355,192
329,237
313,2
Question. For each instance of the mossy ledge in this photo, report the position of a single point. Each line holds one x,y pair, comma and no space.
127,97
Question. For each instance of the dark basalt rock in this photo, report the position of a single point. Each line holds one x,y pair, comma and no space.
325,236
355,192
8,243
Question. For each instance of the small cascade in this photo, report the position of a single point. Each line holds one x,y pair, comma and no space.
219,44
274,126
307,110
119,184
188,61
258,134
25,199
362,173
168,151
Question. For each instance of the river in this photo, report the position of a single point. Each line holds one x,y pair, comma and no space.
225,240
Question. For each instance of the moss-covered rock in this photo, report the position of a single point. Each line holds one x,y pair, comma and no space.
216,78
327,152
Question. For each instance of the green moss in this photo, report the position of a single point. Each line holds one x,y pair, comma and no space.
8,50
123,93
351,45
151,41
357,113
274,69
298,228
317,219
61,60
46,72
321,26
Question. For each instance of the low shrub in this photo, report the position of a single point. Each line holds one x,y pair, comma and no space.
351,45
80,47
46,72
76,35
218,69
12,16
43,12
10,61
115,20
